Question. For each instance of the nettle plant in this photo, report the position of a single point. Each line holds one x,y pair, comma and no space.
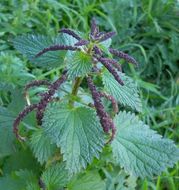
78,117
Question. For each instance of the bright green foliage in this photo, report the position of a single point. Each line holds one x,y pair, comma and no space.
127,95
55,177
87,181
76,131
140,150
42,148
139,25
78,64
13,71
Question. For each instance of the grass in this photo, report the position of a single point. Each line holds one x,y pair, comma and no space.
148,30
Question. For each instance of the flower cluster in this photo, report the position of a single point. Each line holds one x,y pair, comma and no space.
39,107
90,46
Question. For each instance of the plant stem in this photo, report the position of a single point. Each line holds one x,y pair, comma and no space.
74,92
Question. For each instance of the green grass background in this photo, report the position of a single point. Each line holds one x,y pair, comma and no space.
146,29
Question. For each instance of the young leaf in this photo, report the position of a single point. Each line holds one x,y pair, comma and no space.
89,180
30,45
140,150
78,64
55,177
41,145
73,131
126,94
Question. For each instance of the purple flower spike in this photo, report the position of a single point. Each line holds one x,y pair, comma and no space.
115,63
110,68
48,96
106,36
57,47
97,51
94,28
20,117
105,120
123,55
70,32
82,43
100,34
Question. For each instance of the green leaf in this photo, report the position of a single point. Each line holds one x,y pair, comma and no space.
26,176
6,135
20,160
127,95
11,184
87,181
42,148
78,64
139,149
17,180
55,177
73,131
30,45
